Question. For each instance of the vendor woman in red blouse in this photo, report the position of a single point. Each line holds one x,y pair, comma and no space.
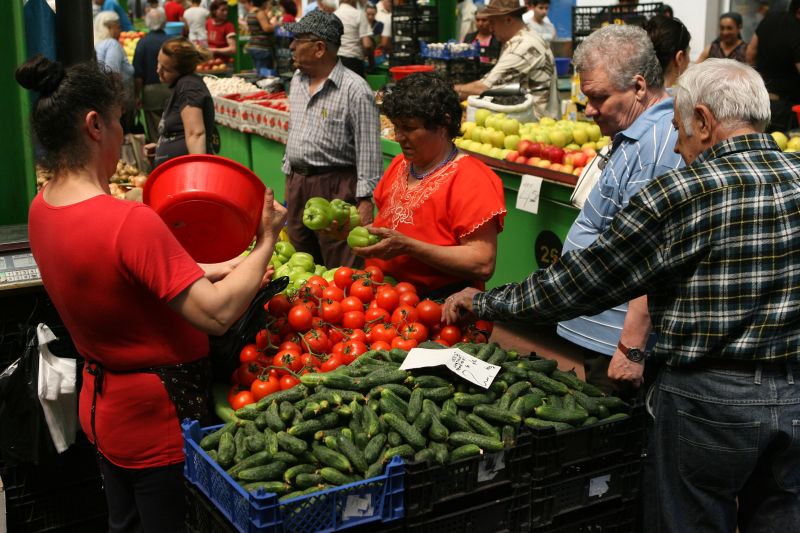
221,32
439,211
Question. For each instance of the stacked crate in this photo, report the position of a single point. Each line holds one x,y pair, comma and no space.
412,22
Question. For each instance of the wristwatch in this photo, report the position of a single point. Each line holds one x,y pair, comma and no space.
633,354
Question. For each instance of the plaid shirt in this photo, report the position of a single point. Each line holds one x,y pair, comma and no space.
715,246
338,125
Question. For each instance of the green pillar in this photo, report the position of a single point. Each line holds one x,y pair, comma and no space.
17,177
447,20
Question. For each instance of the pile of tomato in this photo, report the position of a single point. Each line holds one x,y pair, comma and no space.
325,325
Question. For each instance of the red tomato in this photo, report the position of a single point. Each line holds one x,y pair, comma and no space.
335,335
333,293
363,290
282,327
333,362
234,390
343,277
403,344
373,304
310,292
262,340
484,326
337,348
278,305
241,399
317,280
380,345
441,341
353,320
309,360
316,340
288,360
357,335
374,273
474,336
405,286
430,313
409,298
264,386
416,331
288,381
331,311
249,354
317,322
290,346
376,314
300,318
248,372
388,299
405,314
351,303
450,334
384,332
355,347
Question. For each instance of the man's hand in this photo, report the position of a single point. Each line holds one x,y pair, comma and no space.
458,305
625,372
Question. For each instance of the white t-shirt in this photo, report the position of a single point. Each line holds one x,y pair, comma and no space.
386,17
356,26
195,18
546,30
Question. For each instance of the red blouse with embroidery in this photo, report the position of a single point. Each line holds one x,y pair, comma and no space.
441,209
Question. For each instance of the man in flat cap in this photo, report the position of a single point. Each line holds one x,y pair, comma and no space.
333,149
525,59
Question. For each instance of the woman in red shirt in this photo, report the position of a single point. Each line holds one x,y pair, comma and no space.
221,32
138,308
439,211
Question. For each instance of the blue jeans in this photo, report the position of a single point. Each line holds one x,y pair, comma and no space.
261,58
722,437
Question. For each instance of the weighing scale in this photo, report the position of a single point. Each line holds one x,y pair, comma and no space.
17,266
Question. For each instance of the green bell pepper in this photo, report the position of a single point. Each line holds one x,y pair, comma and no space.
317,201
360,237
317,217
319,270
355,218
302,260
340,211
285,250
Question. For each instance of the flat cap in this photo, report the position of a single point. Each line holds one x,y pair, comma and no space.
326,26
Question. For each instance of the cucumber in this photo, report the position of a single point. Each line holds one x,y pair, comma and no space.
294,394
546,383
437,431
404,450
468,347
268,472
248,412
486,351
406,430
313,409
290,459
373,449
291,444
500,386
293,471
397,355
382,376
422,422
449,406
255,443
511,368
453,422
334,477
590,421
554,414
430,382
241,447
569,401
536,423
370,422
375,469
257,459
343,411
346,395
353,454
496,414
616,417
440,452
438,394
508,435
392,403
554,400
309,427
612,403
585,401
471,400
513,392
401,390
212,454
591,390
226,450
524,405
277,487
286,411
331,458
325,394
602,412
464,451
261,421
459,438
414,405
568,378
498,356
304,481
429,406
393,439
273,417
425,455
337,380
330,442
483,427
211,441
545,366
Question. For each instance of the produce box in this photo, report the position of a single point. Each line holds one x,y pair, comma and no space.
378,499
608,518
270,118
579,493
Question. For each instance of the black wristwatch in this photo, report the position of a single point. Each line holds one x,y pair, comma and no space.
633,354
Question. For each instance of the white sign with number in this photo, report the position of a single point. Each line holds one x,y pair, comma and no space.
528,196
458,361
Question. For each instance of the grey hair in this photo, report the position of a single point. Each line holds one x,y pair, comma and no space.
155,19
102,21
330,4
734,93
624,52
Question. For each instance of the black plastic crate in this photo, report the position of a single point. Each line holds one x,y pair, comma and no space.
610,518
456,70
425,30
429,486
586,19
408,12
202,516
615,483
578,450
505,509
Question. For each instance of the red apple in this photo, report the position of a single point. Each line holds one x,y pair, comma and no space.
534,161
522,160
579,159
512,156
523,147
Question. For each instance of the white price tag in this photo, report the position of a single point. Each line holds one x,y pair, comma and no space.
599,485
528,196
459,362
358,507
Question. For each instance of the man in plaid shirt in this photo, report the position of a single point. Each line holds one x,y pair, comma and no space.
716,248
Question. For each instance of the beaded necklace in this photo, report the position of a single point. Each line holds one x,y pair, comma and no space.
422,175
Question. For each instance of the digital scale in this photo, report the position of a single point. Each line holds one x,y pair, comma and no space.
18,269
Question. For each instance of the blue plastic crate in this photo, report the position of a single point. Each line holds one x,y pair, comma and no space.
447,53
372,500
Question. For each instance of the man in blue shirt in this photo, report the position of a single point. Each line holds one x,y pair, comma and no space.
623,82
151,94
113,5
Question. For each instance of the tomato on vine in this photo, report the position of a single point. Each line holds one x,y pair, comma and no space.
249,353
333,362
404,344
388,299
288,381
380,345
264,386
300,318
316,340
247,373
375,314
374,273
405,286
334,293
363,290
351,303
430,313
241,399
331,311
278,305
353,320
343,277
404,314
409,298
450,334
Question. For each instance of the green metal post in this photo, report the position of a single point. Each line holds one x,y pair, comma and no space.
447,20
17,177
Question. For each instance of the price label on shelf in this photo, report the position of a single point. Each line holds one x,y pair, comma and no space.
528,196
458,361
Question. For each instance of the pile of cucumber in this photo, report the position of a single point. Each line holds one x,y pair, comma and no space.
342,426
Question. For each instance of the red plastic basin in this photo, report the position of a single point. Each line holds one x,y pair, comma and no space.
211,204
398,73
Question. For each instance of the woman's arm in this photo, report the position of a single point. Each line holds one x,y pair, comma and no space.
473,258
752,51
194,129
265,22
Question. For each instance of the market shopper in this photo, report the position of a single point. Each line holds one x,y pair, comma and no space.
333,149
356,38
138,308
195,18
525,59
221,32
261,24
151,92
622,80
113,5
715,247
671,43
187,125
112,56
729,44
537,20
483,35
439,211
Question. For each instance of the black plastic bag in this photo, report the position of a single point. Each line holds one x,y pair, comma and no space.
225,348
25,436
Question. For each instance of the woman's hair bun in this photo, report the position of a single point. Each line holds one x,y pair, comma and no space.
40,74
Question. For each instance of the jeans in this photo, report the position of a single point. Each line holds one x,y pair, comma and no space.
262,58
724,451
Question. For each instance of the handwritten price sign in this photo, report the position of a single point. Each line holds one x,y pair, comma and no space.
459,362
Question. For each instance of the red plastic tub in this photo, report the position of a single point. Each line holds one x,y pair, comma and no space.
211,204
398,73
795,108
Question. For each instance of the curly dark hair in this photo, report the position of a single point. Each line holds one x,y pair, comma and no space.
427,96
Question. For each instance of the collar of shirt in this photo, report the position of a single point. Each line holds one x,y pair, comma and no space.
645,121
741,143
335,77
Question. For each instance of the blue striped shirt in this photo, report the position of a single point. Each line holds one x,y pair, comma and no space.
639,154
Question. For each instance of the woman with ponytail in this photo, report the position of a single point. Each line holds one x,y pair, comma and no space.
187,125
138,308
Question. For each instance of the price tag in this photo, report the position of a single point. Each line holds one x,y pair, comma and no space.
459,362
528,195
358,507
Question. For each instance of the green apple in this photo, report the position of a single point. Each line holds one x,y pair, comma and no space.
497,153
498,138
477,133
602,141
504,152
481,115
490,122
559,138
793,144
467,126
572,146
547,121
542,137
781,139
486,135
580,135
510,126
511,142
594,132
485,148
